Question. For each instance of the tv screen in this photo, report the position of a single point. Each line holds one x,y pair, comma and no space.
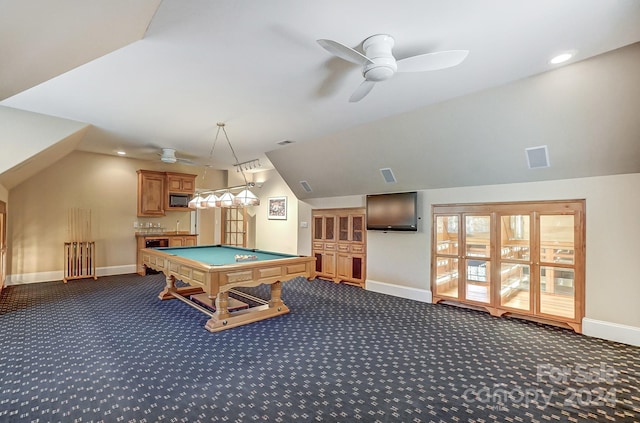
392,212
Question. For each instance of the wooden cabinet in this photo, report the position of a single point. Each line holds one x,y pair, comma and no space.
151,193
182,241
339,245
154,189
524,259
181,183
178,183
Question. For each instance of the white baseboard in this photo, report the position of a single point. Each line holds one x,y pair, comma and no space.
25,278
611,331
399,291
590,327
116,270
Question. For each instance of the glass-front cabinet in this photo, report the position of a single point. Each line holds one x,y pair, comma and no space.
339,244
447,239
526,259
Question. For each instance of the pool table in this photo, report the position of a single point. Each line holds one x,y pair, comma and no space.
217,269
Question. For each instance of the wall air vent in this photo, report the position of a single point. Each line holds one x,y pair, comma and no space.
537,157
305,186
388,175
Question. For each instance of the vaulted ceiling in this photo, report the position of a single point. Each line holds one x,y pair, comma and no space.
151,74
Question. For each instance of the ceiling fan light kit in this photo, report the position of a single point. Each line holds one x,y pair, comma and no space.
168,155
379,64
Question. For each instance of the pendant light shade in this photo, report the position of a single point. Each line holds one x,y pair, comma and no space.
226,199
212,200
202,203
246,198
193,203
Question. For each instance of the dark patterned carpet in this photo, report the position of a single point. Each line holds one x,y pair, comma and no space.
110,351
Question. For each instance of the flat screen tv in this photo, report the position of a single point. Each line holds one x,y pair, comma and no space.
392,212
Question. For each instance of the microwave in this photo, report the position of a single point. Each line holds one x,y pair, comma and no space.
179,200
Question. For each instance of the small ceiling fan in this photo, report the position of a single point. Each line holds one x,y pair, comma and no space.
378,63
168,155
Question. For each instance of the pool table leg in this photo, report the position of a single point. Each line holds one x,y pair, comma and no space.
170,288
222,319
276,292
222,305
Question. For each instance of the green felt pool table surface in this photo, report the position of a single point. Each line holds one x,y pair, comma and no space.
219,255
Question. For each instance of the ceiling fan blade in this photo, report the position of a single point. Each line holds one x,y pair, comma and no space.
362,90
186,161
432,61
344,52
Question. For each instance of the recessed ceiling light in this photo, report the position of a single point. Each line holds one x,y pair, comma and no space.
121,153
561,58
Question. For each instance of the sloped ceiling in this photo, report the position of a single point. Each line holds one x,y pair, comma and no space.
41,40
586,114
31,141
257,67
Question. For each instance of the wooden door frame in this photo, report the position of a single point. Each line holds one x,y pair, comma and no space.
3,243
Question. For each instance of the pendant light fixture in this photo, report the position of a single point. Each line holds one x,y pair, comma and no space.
226,199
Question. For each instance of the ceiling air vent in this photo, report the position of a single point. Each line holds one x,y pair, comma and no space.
388,175
305,186
537,157
285,142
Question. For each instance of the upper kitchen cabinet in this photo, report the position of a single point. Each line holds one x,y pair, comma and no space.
179,189
151,193
180,183
155,190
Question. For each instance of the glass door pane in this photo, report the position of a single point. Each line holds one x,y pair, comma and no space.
557,257
515,289
557,239
478,236
446,254
557,291
234,226
478,286
357,227
515,261
447,236
514,236
329,225
317,227
447,277
343,228
477,245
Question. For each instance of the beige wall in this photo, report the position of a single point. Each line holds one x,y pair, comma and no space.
106,185
275,235
612,277
4,194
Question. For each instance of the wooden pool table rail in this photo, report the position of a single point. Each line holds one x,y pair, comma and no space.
216,281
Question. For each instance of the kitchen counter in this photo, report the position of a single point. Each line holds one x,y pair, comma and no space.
164,233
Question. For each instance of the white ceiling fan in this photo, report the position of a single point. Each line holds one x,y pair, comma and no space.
168,155
378,63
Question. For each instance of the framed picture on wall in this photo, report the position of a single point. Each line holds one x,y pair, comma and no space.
277,208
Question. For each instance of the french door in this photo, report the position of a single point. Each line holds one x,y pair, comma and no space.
3,243
519,258
234,226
